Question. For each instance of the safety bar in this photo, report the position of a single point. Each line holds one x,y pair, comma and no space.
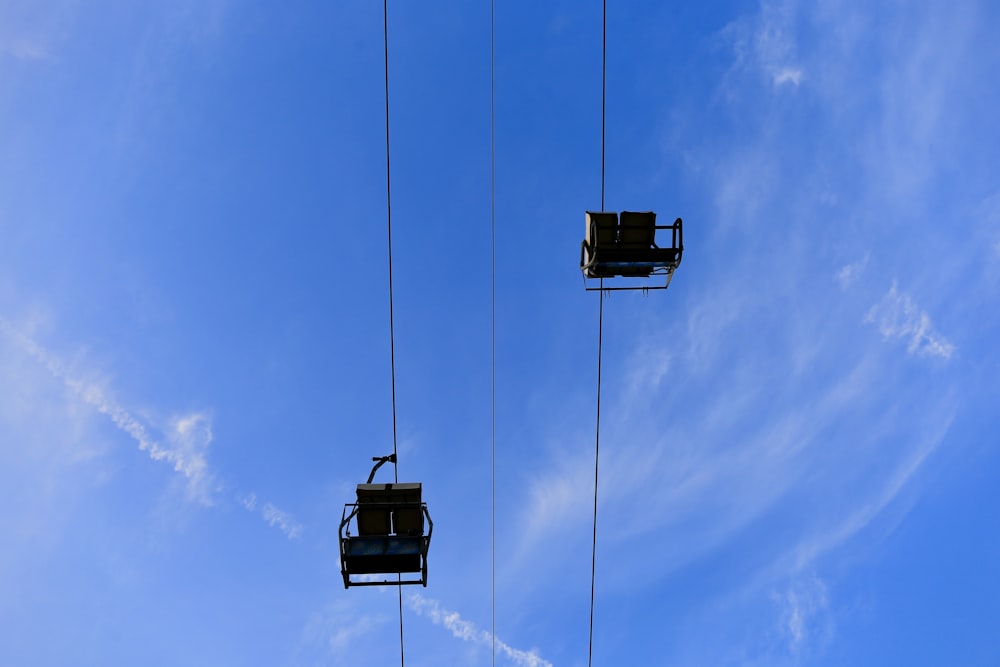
345,518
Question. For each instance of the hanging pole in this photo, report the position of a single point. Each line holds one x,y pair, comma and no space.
379,462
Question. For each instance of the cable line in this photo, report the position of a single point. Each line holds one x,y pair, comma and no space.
604,97
597,458
600,338
392,332
388,200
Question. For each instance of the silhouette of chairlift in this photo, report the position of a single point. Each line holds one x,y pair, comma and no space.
627,248
390,536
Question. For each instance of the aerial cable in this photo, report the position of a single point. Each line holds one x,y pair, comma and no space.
597,458
600,338
388,208
392,333
604,95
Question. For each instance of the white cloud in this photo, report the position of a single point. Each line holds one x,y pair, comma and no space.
281,520
805,619
189,435
933,431
467,631
930,63
897,316
703,470
248,501
851,273
648,376
337,627
766,45
792,75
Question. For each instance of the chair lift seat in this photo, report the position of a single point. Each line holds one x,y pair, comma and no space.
390,540
627,248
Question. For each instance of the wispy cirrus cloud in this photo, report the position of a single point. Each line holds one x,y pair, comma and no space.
897,316
188,436
696,467
467,631
805,620
185,438
932,434
783,75
767,44
336,628
281,520
273,516
849,274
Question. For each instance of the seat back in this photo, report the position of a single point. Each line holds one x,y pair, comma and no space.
407,511
386,509
602,229
637,230
373,520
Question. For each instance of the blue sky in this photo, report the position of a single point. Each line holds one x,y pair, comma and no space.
799,439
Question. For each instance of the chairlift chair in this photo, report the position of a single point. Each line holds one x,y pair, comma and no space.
626,247
390,539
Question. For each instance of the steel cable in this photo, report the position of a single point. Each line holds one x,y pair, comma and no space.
600,337
392,332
